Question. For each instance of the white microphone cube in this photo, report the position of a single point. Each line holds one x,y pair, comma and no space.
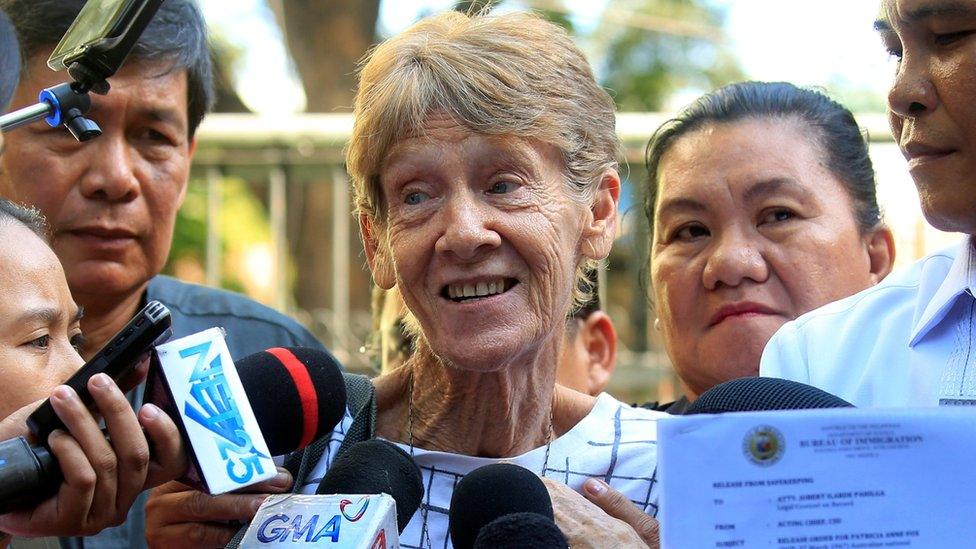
225,445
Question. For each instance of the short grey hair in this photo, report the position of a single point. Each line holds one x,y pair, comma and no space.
511,74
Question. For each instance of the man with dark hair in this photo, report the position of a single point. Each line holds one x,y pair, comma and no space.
909,341
112,202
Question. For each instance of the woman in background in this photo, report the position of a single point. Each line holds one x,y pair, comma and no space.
762,206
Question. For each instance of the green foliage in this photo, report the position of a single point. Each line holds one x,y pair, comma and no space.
243,223
649,60
190,233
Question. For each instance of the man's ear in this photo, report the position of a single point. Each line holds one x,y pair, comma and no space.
601,225
377,254
600,339
880,244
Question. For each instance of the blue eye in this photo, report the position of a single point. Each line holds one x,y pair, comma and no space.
415,198
503,187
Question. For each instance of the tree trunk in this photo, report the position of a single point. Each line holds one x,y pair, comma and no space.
326,39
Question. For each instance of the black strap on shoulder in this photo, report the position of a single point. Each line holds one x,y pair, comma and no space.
361,401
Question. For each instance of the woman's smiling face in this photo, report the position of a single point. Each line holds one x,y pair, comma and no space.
482,238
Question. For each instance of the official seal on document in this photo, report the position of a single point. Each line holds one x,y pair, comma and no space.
763,445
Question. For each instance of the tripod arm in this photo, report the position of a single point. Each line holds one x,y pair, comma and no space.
63,104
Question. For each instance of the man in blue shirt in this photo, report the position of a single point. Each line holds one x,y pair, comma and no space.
910,340
112,202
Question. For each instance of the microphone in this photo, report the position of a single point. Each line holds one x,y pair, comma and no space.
521,531
374,467
492,492
297,395
365,500
234,419
753,394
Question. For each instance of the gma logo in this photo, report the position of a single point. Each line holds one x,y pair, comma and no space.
281,527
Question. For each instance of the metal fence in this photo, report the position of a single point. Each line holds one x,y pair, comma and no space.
275,155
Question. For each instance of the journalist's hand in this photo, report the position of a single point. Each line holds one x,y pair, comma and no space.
101,478
179,516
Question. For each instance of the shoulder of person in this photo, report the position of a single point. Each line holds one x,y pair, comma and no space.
904,287
899,293
828,340
208,306
606,405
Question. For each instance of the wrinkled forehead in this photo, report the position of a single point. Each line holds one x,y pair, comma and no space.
895,14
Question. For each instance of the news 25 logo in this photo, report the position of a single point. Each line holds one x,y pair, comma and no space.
210,403
763,445
281,527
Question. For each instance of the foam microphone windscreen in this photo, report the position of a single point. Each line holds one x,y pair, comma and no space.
373,467
494,491
521,531
752,394
298,395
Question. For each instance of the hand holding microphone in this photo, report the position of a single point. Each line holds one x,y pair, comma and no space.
298,395
180,516
101,479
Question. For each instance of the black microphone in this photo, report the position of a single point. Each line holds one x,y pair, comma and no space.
753,394
491,492
297,396
347,509
521,531
374,467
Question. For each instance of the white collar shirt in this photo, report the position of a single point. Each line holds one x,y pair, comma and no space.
908,341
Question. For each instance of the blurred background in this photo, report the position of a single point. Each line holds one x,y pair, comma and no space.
268,212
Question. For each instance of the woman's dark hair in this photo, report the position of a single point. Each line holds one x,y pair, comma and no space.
9,61
12,213
835,130
177,34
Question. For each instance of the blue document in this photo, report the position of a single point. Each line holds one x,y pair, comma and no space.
831,479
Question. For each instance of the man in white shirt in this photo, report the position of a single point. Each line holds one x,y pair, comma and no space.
911,340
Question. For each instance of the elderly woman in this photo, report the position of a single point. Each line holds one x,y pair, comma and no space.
39,336
762,203
484,163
